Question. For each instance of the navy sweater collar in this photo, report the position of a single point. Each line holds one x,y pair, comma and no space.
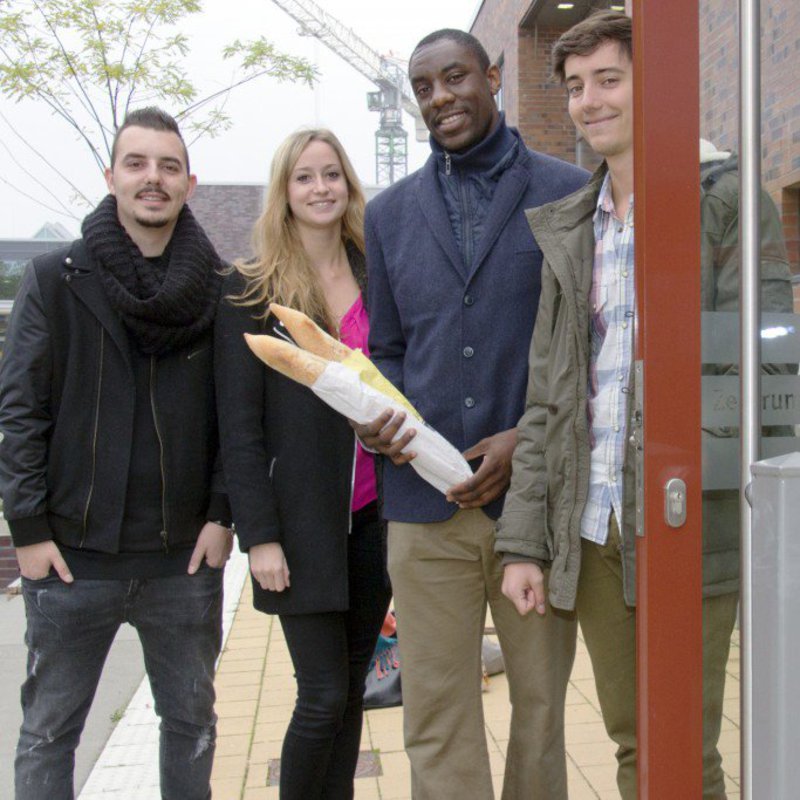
483,156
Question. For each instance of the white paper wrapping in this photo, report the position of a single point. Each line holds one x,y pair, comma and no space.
437,461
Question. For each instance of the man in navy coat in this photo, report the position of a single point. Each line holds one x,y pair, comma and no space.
454,279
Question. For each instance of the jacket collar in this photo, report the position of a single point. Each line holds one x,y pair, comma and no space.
79,272
483,156
563,215
507,195
358,266
565,233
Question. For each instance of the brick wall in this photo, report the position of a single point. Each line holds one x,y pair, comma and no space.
8,563
496,27
533,102
543,119
228,212
537,106
780,98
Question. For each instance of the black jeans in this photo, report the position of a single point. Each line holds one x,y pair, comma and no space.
331,654
70,630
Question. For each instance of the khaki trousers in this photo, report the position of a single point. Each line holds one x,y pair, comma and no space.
443,575
609,630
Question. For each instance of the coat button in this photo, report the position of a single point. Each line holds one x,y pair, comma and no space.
68,278
468,352
468,300
469,402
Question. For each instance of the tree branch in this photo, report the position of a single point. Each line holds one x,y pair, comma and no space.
56,102
73,57
108,78
45,160
117,83
35,199
68,61
36,180
138,60
190,109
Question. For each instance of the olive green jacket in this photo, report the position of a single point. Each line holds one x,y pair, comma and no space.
550,478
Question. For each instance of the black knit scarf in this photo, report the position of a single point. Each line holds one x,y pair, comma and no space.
163,312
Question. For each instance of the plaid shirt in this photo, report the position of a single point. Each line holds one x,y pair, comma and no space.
611,357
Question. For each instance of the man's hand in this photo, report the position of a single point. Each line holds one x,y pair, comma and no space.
269,567
493,475
523,585
214,544
378,434
35,561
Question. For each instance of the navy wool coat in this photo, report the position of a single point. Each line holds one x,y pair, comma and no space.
455,341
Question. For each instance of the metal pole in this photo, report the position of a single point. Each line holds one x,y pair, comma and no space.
750,429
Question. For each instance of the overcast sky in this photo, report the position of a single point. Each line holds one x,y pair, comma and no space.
263,112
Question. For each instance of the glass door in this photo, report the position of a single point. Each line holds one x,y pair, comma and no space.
716,224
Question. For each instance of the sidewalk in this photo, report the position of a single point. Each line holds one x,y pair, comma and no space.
127,768
255,695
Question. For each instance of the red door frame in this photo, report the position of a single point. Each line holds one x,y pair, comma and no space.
667,242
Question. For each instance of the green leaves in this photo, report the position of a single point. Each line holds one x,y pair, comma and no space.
259,56
89,61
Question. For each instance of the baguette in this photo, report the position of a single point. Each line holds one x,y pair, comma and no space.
309,335
287,359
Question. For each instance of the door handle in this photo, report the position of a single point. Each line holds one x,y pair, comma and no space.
675,502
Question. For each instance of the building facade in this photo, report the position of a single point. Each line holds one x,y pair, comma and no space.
519,35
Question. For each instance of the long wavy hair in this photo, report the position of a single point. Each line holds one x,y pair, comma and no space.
281,270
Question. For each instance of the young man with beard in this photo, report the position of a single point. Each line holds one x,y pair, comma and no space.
453,289
107,464
571,503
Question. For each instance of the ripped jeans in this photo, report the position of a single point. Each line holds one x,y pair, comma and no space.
70,630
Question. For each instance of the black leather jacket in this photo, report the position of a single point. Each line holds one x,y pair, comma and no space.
66,416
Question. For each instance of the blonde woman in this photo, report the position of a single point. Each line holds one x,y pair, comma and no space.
302,490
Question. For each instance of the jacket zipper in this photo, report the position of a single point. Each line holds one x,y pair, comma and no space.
447,163
466,223
352,486
94,437
164,539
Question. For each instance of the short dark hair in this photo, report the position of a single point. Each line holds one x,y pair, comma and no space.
459,37
585,37
150,117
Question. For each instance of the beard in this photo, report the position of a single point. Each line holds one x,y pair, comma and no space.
153,222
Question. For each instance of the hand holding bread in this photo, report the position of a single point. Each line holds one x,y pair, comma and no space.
347,381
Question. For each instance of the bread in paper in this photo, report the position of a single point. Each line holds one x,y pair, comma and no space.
309,335
291,361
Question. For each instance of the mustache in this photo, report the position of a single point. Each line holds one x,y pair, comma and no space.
449,113
153,190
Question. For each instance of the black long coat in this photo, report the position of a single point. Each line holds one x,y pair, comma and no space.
288,461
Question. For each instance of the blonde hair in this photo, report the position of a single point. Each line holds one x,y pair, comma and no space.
281,270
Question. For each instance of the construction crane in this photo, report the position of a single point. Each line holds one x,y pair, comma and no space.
394,93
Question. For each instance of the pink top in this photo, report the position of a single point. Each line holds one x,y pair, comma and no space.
353,331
